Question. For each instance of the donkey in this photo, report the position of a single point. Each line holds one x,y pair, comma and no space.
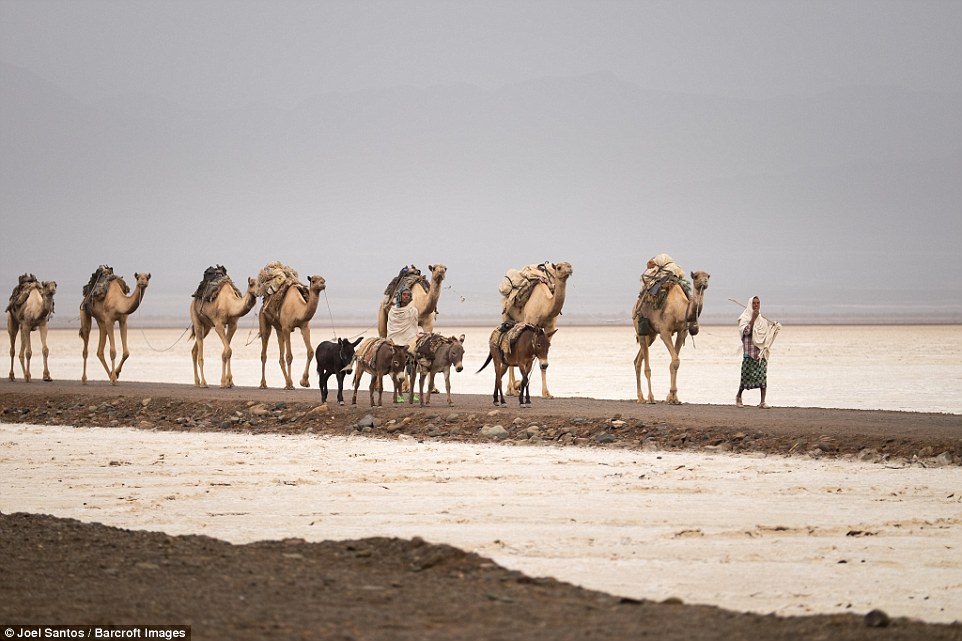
439,355
334,358
377,357
518,345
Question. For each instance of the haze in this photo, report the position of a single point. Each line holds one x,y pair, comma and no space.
806,152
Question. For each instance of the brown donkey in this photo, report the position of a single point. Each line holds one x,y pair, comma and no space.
517,344
433,354
377,357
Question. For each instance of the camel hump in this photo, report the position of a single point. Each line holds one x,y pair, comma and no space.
408,276
214,276
96,287
25,284
275,277
517,284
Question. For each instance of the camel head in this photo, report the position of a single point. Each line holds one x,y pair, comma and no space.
700,283
142,278
318,284
562,270
252,285
49,288
700,280
437,272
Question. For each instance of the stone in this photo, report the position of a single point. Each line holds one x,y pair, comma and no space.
259,410
493,431
367,421
877,619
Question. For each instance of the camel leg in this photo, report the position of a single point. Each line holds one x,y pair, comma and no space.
265,334
197,356
512,383
675,362
285,356
382,321
26,352
357,382
544,380
644,357
639,361
12,329
306,335
44,351
105,331
85,337
228,378
225,355
125,353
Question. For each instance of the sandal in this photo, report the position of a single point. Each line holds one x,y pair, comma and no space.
763,406
738,403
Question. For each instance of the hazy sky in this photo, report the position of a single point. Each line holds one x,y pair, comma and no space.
807,152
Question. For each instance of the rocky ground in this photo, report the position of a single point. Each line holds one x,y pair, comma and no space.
63,571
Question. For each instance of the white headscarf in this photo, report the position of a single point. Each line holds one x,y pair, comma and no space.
763,332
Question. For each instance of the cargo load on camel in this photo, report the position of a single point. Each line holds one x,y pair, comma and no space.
96,287
274,280
517,284
408,277
662,274
208,288
25,284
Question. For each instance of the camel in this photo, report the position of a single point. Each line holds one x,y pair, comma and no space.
293,312
678,315
28,312
220,314
541,310
426,302
114,307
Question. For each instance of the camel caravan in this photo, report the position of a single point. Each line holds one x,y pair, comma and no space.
406,348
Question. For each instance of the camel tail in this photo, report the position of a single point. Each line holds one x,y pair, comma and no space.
485,363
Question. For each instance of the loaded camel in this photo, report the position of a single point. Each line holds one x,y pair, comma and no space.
292,312
425,301
30,308
517,344
219,311
541,310
677,315
113,307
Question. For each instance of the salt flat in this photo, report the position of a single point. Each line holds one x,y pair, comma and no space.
764,534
